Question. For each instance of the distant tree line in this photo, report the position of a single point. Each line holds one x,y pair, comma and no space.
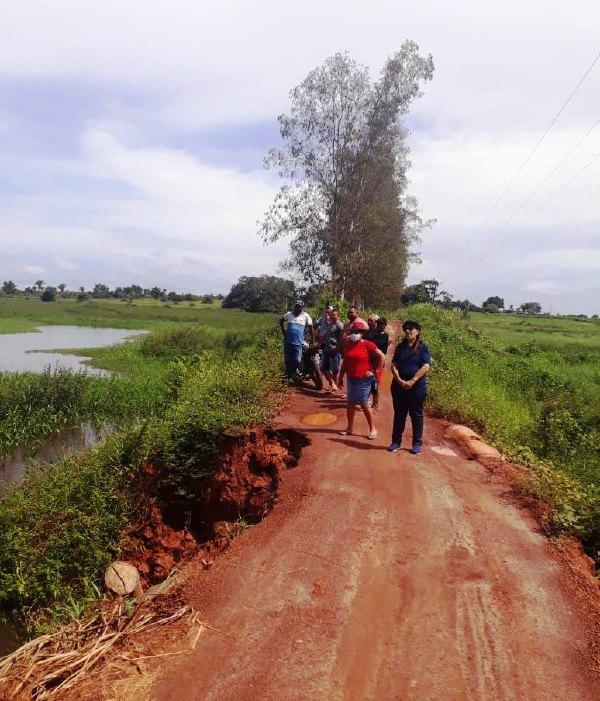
48,293
429,291
269,293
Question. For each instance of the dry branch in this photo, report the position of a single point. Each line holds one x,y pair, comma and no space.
44,667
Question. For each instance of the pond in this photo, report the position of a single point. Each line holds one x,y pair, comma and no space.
32,352
52,449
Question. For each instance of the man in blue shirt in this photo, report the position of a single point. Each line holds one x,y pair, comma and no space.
293,326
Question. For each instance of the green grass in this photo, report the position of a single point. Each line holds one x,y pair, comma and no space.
175,397
34,406
531,387
21,313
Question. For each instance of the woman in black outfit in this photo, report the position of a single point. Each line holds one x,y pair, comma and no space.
410,365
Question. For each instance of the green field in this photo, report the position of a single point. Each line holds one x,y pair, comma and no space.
20,313
574,342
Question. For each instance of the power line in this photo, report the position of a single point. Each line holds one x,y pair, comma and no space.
562,189
539,185
535,148
555,194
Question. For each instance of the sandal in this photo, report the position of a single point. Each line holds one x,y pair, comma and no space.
373,435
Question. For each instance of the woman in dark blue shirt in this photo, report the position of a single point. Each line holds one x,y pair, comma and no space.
410,365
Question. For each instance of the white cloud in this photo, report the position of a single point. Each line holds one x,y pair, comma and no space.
168,70
183,224
569,259
544,287
64,264
33,269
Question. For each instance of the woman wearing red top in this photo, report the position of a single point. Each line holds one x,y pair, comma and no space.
359,355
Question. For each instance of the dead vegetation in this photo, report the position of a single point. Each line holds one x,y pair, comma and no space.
50,665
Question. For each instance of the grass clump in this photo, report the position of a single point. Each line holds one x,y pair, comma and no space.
61,528
33,406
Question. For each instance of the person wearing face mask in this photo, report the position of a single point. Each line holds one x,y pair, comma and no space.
360,356
410,365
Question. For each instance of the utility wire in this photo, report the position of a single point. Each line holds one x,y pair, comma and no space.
539,185
555,194
562,189
535,148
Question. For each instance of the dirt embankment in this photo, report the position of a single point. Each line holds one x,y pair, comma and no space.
241,489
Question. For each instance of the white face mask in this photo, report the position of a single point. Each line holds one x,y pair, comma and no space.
354,337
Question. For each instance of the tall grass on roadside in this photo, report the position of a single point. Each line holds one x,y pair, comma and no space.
33,406
62,527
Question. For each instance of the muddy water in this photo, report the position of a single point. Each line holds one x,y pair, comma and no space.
32,352
52,449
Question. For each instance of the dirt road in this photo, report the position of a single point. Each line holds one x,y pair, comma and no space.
384,576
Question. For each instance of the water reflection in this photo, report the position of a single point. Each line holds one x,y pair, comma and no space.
31,352
52,449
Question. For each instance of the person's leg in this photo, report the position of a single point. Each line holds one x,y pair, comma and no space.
288,361
325,371
369,416
400,401
335,361
296,356
375,393
329,369
416,404
350,411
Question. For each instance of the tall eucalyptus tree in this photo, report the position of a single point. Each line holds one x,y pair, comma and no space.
343,161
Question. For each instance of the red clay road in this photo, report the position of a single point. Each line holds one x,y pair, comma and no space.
384,576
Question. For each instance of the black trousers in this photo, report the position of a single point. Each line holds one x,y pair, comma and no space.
408,401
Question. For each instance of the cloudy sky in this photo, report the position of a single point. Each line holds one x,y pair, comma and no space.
132,134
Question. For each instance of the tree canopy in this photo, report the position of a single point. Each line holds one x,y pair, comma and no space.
343,201
530,308
265,293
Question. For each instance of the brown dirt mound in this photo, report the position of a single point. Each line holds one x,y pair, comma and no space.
242,489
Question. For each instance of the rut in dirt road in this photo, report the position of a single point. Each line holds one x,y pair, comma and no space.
384,576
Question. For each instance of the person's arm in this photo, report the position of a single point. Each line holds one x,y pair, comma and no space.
396,374
421,372
380,359
375,352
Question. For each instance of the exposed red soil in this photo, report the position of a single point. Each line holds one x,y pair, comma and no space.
242,488
382,576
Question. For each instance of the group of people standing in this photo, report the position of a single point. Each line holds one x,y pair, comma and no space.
356,351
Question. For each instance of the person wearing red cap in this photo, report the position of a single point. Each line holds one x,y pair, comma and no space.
360,356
